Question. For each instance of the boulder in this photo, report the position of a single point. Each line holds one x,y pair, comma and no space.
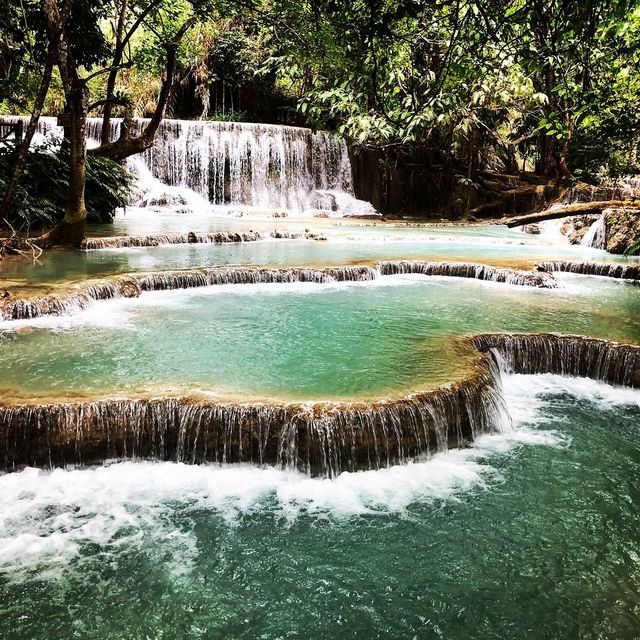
576,227
622,230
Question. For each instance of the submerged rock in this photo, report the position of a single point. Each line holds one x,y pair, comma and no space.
323,201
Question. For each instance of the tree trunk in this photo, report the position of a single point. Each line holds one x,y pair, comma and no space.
70,232
563,161
127,145
567,210
546,165
105,137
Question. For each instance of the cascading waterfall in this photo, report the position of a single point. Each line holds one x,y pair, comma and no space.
317,437
257,165
193,237
606,269
239,165
565,355
470,270
621,188
81,296
596,236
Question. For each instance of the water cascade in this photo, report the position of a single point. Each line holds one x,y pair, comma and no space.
192,237
81,296
470,270
317,437
237,165
605,269
596,236
566,355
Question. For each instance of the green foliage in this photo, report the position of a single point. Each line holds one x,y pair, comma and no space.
513,79
23,45
634,249
19,54
228,116
233,59
41,194
548,85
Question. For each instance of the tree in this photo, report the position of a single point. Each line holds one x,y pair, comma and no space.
570,50
59,24
459,76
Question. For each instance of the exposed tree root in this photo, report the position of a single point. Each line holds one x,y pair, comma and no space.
31,248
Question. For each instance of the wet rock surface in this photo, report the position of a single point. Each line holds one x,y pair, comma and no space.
577,227
622,230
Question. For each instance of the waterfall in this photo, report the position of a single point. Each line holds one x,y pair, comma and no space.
80,296
255,165
596,237
315,437
606,269
192,237
71,300
470,270
566,355
237,165
159,281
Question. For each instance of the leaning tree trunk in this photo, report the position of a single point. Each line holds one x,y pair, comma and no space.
127,145
71,231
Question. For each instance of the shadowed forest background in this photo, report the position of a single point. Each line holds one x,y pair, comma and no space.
453,108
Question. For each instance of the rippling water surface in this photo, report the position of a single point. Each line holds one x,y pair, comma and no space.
347,242
528,534
298,340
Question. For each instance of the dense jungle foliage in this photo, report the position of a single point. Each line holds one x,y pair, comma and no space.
42,188
549,88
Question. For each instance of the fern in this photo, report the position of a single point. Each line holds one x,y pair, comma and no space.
42,189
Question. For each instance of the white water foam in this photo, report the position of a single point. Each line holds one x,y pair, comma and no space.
47,518
551,231
596,236
196,164
526,395
120,312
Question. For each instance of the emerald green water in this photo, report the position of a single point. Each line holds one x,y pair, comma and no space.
297,341
347,243
530,534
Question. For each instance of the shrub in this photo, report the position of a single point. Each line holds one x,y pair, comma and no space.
42,189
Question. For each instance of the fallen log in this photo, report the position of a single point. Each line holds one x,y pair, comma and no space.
566,210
